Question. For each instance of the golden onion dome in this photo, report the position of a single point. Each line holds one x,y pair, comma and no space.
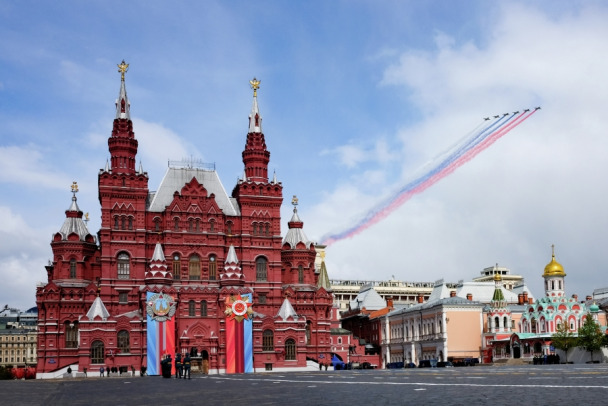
497,277
554,268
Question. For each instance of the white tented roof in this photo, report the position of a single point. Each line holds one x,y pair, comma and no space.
176,178
98,309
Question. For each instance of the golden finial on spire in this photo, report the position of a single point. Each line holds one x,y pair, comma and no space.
74,187
294,200
255,85
322,254
122,68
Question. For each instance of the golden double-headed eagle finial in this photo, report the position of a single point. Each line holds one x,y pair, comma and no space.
122,68
255,85
74,187
294,200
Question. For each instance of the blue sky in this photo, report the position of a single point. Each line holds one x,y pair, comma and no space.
356,97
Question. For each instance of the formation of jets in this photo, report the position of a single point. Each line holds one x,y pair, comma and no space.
515,112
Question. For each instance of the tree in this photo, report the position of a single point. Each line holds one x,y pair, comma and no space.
590,336
563,338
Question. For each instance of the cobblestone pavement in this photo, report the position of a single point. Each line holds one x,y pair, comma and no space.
481,385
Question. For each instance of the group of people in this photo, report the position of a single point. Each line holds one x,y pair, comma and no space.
182,367
108,370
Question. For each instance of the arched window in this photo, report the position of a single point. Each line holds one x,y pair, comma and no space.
123,342
71,334
204,308
229,227
212,267
267,229
123,266
191,311
190,224
194,268
130,223
505,323
496,323
261,265
255,228
72,268
123,222
97,352
308,331
116,223
212,226
157,224
176,223
300,274
268,340
177,267
290,349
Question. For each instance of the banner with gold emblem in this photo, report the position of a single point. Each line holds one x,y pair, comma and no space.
239,332
160,309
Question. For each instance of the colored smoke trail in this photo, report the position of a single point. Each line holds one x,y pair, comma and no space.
446,164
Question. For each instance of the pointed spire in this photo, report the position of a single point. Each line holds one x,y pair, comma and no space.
157,272
255,120
231,259
141,169
107,168
255,155
295,234
74,205
73,219
323,276
287,310
122,143
274,178
122,103
98,309
232,273
158,255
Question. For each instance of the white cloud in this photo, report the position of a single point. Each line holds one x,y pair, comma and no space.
540,184
26,165
159,144
22,262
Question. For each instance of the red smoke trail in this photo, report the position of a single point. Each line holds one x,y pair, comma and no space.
460,160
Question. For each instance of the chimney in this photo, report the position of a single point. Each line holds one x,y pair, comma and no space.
420,298
575,297
389,302
588,298
520,299
453,293
469,296
526,297
530,301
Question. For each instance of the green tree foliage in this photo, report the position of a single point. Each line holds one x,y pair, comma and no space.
563,338
590,336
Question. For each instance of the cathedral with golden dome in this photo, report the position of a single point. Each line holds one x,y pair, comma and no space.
539,320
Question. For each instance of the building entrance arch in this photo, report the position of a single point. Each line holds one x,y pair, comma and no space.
205,366
516,350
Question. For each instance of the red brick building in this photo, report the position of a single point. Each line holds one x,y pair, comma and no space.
192,241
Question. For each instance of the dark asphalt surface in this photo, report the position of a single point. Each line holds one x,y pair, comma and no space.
482,385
